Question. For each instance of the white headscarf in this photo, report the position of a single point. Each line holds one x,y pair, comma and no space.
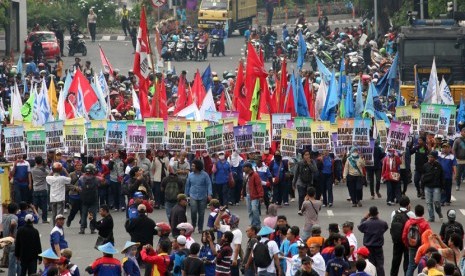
235,159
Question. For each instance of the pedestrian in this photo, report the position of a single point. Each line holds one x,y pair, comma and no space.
125,20
307,268
178,213
327,178
405,169
296,261
391,176
57,184
133,34
104,226
224,256
303,177
73,268
266,180
271,247
399,218
253,193
192,265
28,247
353,172
279,169
272,218
222,175
318,263
347,230
360,265
141,228
24,210
374,172
231,224
432,180
448,164
92,23
186,229
39,195
237,166
421,152
73,192
159,260
10,228
451,227
163,231
208,252
37,50
248,266
116,167
57,235
199,189
136,200
182,168
49,259
172,186
22,180
310,210
362,254
373,229
179,254
88,188
159,170
129,262
315,236
458,150
337,266
106,265
62,265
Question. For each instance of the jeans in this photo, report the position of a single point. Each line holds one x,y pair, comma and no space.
253,207
326,185
29,268
393,191
85,209
433,196
302,193
221,192
411,261
265,273
168,206
281,192
198,208
58,208
75,207
235,193
354,193
116,192
399,251
22,193
235,269
40,201
249,272
460,174
447,194
14,267
103,195
377,258
125,26
374,180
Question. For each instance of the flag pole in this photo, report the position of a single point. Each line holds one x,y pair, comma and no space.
155,92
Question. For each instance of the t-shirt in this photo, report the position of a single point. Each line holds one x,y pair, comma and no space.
193,266
22,170
39,175
319,264
337,266
352,242
296,264
273,249
447,163
57,187
310,209
57,236
236,240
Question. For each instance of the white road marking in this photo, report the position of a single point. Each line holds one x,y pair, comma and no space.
121,37
462,211
106,37
331,214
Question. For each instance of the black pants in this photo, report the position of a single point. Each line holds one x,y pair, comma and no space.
92,28
75,207
221,192
28,268
372,177
398,251
269,16
355,192
302,193
125,26
404,177
377,258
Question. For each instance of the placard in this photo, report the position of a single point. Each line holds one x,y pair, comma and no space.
98,124
36,144
74,138
228,136
14,142
267,122
116,135
415,121
345,130
259,135
452,130
367,153
404,114
304,133
54,138
381,133
212,116
321,135
214,137
95,141
155,134
176,135
398,136
243,137
444,119
288,144
429,118
361,134
278,122
339,151
136,139
198,137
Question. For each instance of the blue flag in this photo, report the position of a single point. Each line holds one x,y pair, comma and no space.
359,101
19,67
324,71
388,81
380,115
302,49
302,105
207,78
349,100
331,101
461,113
342,79
369,104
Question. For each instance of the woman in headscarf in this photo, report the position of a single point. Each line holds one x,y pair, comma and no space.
353,172
129,262
237,163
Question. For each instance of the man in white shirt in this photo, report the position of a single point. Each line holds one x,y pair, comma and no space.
296,262
362,254
57,184
231,223
347,229
319,264
273,248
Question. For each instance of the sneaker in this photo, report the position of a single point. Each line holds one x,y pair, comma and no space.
92,231
46,221
379,195
115,210
372,197
354,205
300,213
82,232
324,205
330,205
292,199
390,203
286,203
68,223
431,220
359,204
66,211
422,196
457,188
447,203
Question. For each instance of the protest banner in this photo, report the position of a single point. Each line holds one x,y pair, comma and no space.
36,144
288,144
198,138
98,124
54,138
381,132
398,136
229,116
361,134
188,138
213,116
116,135
14,143
415,121
404,114
155,134
267,123
136,139
367,153
176,135
214,138
95,141
321,135
429,118
243,137
74,138
278,122
290,124
452,130
443,122
339,151
304,134
334,126
259,135
345,130
228,136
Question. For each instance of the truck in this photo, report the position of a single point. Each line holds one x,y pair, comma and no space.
424,40
231,14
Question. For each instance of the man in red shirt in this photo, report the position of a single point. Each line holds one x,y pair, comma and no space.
161,261
253,192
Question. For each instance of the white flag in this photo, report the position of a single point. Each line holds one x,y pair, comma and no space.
320,99
431,94
136,104
444,92
207,104
16,105
190,112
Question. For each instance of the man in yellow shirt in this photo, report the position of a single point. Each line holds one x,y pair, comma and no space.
125,20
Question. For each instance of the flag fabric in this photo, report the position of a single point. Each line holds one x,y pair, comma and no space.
143,95
331,100
237,93
105,62
181,102
349,100
255,103
417,85
320,99
161,102
444,91
289,101
19,67
342,107
190,112
324,71
45,113
2,111
208,104
399,101
359,101
369,104
98,111
198,89
207,78
431,94
62,99
89,97
388,82
342,79
281,87
136,104
254,69
25,88
461,112
52,95
26,109
302,50
222,104
16,105
36,118
308,90
302,104
267,105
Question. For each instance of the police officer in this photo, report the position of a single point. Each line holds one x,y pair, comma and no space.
221,34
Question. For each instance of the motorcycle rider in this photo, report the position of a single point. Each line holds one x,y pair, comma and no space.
37,49
59,33
285,31
190,33
204,35
221,34
301,19
74,36
217,88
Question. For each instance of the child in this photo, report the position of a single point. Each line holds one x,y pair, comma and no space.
129,262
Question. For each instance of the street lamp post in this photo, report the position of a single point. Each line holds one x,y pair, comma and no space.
376,19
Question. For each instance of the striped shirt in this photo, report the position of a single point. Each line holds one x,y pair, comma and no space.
223,261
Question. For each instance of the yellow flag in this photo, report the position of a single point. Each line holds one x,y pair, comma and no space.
52,95
255,103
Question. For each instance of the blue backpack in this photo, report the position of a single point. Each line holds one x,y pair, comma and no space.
179,261
132,212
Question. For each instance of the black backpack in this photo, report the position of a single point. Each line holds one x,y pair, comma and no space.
171,190
414,236
261,254
305,173
397,225
89,189
450,229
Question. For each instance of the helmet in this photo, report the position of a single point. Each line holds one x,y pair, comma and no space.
90,168
186,226
217,24
225,73
216,79
382,51
284,25
189,27
163,227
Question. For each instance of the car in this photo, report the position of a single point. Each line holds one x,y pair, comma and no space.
50,45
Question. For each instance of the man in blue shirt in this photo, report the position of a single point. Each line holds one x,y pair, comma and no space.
221,34
337,266
22,180
266,177
448,164
57,236
26,209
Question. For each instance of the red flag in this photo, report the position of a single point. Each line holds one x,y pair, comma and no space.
89,96
238,85
222,105
143,95
308,90
181,102
105,62
163,103
198,89
190,100
289,105
281,86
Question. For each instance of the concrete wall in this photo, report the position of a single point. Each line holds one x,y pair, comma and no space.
18,25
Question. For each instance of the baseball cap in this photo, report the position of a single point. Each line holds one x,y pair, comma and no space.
59,216
348,224
181,197
141,208
301,244
363,251
29,218
138,195
181,239
306,260
451,214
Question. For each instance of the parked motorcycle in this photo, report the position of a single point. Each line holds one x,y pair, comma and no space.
77,45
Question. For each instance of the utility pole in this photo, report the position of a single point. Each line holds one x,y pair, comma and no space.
376,19
422,10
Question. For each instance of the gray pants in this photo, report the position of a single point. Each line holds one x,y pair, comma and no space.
460,174
58,208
